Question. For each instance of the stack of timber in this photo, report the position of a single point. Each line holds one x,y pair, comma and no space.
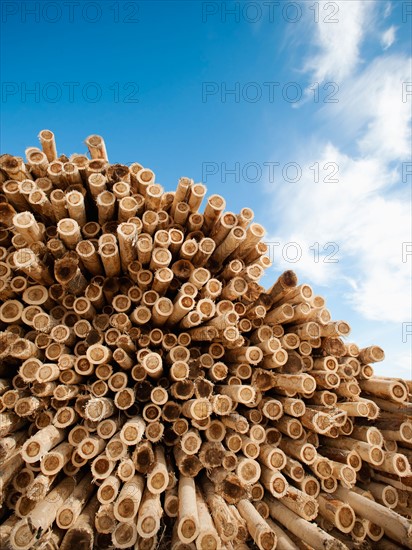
152,392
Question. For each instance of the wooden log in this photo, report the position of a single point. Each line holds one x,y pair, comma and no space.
393,524
90,447
304,530
96,147
108,490
249,471
142,344
76,207
274,482
372,454
188,527
150,513
337,512
304,452
283,541
225,527
260,531
384,494
27,261
208,536
82,530
48,144
105,521
40,443
301,503
10,444
371,354
9,470
158,478
395,463
124,535
390,389
129,499
68,513
344,456
42,516
56,459
27,226
272,457
102,466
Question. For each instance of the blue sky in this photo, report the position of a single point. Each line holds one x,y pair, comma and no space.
300,110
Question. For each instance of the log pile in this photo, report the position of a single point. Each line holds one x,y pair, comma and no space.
153,392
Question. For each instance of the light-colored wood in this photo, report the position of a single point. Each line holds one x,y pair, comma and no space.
129,499
150,513
68,513
392,389
48,144
28,262
158,478
370,453
90,447
303,529
272,457
283,541
138,343
171,502
384,494
337,512
394,525
304,452
83,527
55,460
208,536
260,531
219,510
42,516
274,482
97,147
188,527
124,535
40,443
248,470
27,226
301,503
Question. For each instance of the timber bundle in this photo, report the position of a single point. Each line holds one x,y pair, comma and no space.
154,394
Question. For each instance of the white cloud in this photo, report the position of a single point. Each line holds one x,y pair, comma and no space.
337,44
368,135
317,261
388,37
368,212
388,134
384,280
368,228
371,110
388,10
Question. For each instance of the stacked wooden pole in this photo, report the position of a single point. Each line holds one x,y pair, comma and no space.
154,395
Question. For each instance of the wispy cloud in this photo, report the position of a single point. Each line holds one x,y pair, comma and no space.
388,37
367,213
338,39
372,108
367,228
388,10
